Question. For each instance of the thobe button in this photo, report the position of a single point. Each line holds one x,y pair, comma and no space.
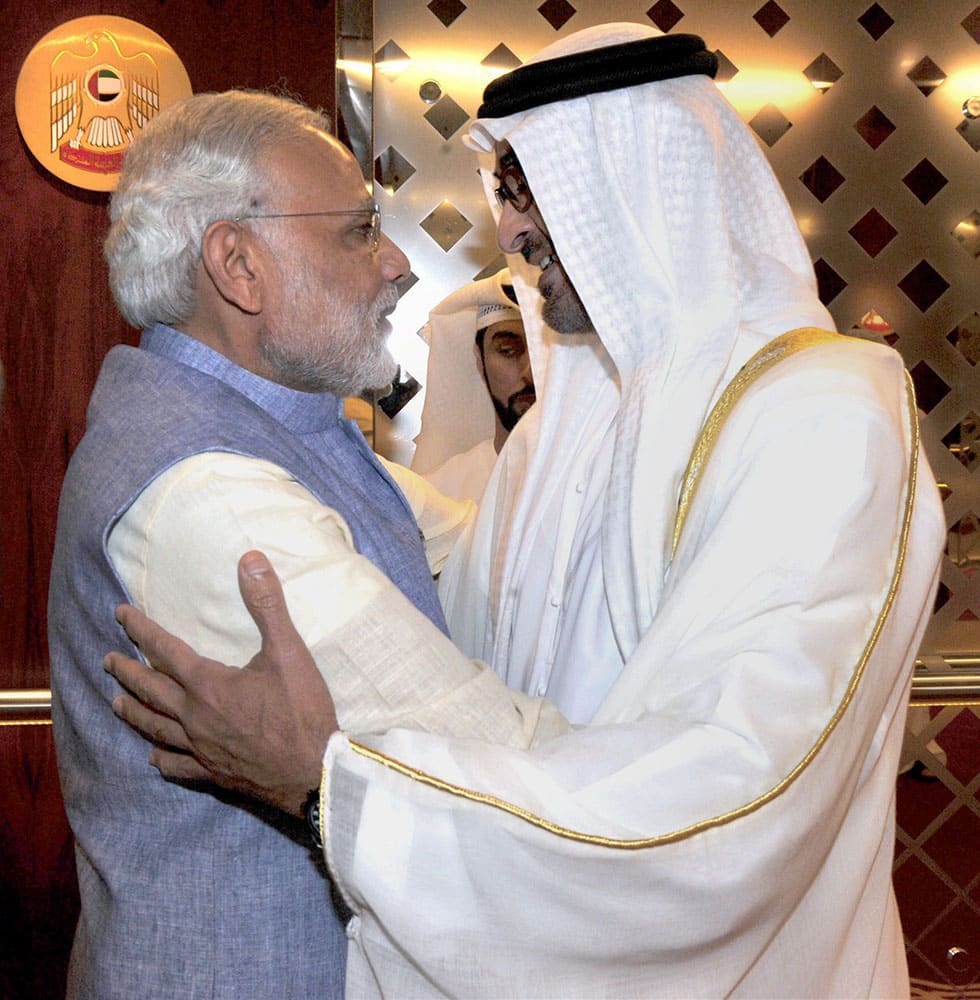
542,688
580,487
555,603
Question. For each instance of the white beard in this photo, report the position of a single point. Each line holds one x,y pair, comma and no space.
324,341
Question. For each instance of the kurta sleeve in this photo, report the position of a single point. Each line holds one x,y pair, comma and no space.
691,840
177,548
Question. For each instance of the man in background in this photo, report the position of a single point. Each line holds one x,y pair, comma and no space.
467,403
243,243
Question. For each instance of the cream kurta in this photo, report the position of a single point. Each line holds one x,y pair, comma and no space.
171,550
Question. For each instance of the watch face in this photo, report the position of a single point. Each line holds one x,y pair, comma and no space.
311,810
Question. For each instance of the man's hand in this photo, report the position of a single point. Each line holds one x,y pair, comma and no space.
260,729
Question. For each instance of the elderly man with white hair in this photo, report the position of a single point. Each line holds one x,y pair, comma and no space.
702,567
244,245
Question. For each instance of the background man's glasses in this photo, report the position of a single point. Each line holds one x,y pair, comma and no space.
374,212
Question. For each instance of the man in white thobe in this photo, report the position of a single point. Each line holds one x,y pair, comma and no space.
478,385
703,565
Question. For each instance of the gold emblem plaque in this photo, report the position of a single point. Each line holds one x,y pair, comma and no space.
87,88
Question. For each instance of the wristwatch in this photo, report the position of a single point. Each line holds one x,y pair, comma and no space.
311,813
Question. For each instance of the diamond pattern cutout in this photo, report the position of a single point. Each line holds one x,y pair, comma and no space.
943,594
726,68
492,268
391,169
930,389
873,232
771,18
923,285
926,75
962,736
404,389
963,545
391,60
913,880
447,10
876,21
915,812
446,117
970,130
874,127
967,233
665,14
406,283
965,337
770,124
823,73
556,12
935,865
829,283
501,58
446,225
924,181
963,440
822,178
971,24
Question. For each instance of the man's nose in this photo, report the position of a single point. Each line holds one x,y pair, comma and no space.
512,228
394,263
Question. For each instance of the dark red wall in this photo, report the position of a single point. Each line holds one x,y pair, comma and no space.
58,316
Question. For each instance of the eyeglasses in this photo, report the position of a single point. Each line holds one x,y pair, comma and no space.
513,186
374,230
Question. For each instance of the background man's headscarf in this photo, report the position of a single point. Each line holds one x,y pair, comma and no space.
457,413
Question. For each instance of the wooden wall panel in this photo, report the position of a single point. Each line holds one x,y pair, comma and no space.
38,891
58,316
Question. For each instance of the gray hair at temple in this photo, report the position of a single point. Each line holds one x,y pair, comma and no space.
197,161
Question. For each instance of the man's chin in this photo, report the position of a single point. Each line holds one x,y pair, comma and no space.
385,374
566,314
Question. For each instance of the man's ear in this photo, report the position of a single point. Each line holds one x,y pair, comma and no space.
232,260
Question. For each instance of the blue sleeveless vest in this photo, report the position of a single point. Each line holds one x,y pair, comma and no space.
193,894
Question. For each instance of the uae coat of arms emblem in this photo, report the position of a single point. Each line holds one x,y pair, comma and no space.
87,88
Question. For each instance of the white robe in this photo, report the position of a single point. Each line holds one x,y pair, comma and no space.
725,826
464,476
723,823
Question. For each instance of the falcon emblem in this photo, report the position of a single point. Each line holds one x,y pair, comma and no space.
99,100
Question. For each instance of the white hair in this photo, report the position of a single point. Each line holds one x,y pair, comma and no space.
199,160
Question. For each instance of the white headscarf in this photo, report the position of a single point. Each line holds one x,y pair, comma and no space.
457,413
680,243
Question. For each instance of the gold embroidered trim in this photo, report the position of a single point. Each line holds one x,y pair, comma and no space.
784,346
771,354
